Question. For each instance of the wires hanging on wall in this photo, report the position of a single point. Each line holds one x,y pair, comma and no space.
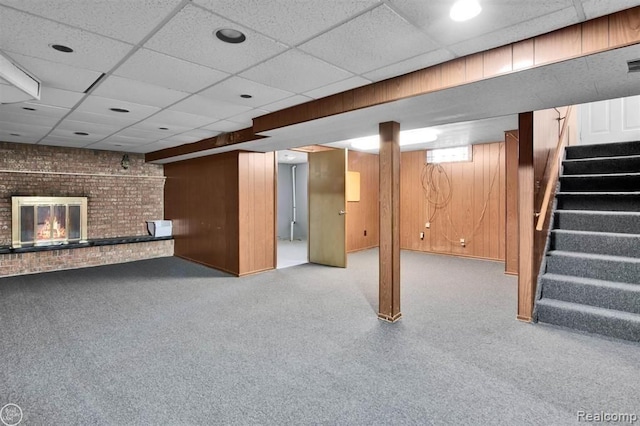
436,186
438,191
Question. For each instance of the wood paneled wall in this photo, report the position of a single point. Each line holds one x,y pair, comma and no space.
257,209
363,215
222,210
201,197
470,184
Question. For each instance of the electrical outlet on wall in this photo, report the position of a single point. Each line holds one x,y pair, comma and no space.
422,235
462,242
427,225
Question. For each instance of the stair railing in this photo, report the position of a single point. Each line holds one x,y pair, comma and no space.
549,191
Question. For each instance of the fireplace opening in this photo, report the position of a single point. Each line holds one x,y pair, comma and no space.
41,221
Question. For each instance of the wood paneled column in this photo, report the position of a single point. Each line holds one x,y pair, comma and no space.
526,187
389,305
511,220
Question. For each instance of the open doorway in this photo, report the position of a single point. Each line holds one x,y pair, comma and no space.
292,224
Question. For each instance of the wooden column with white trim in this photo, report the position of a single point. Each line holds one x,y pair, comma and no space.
526,188
389,304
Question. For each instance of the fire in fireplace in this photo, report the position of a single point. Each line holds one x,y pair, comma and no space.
48,220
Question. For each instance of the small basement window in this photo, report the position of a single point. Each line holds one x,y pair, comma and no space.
450,155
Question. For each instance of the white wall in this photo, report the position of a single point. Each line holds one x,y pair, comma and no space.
285,211
614,120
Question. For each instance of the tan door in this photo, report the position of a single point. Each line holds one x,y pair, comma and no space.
327,208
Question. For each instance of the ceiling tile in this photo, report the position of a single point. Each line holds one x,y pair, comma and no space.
63,141
192,136
285,71
89,127
416,63
17,138
208,107
39,111
70,135
58,97
224,126
596,8
31,36
189,35
157,146
121,120
154,125
29,132
231,89
433,17
375,39
167,71
338,87
101,105
286,103
56,75
281,20
135,132
543,24
119,139
171,118
115,87
246,119
128,20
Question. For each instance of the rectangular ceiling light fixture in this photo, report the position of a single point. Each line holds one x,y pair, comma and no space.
450,155
634,66
21,86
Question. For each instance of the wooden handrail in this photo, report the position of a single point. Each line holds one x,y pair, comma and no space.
553,176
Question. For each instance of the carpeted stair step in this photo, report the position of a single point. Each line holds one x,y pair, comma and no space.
588,291
600,165
613,182
598,266
603,150
614,244
598,221
623,325
614,201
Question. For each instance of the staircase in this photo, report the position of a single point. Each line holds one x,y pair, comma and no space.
590,279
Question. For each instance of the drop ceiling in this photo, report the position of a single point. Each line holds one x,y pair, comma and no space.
161,61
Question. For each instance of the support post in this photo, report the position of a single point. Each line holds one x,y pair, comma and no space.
389,296
526,188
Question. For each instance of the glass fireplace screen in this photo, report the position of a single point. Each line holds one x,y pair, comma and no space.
39,221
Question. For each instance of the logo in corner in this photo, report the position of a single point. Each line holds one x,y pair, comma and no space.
11,415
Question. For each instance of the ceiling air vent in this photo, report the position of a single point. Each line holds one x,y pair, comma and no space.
634,66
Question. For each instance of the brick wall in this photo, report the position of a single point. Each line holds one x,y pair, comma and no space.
55,260
119,201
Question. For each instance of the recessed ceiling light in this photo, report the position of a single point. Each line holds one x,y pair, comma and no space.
416,136
81,133
28,108
119,110
634,66
163,128
229,35
246,96
367,143
463,10
61,48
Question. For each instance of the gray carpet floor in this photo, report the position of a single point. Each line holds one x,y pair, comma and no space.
168,342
